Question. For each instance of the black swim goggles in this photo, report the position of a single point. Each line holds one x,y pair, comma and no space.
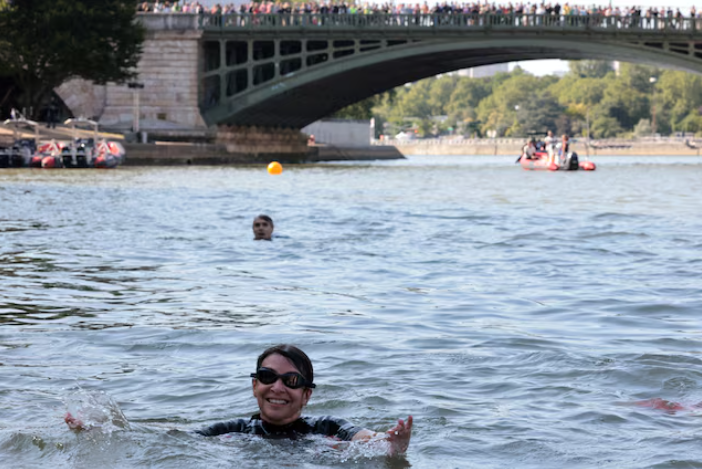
290,380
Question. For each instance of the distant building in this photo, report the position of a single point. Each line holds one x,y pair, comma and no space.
342,132
484,71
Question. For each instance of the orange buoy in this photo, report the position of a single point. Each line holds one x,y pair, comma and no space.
275,168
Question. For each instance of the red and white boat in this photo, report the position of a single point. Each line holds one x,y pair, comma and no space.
80,152
541,160
92,152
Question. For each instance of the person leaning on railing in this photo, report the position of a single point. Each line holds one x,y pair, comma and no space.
472,14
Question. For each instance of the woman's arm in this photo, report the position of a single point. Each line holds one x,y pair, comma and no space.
398,436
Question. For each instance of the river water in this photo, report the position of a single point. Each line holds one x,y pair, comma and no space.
516,315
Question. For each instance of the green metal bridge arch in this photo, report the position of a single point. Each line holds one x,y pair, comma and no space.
291,70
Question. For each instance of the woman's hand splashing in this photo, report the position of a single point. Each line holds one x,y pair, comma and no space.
399,437
74,423
396,440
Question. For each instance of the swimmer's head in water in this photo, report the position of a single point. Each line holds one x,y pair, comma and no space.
263,227
277,391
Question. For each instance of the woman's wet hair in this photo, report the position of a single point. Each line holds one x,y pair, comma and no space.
267,218
298,358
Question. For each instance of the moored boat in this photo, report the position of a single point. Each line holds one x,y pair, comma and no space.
80,152
541,161
94,152
23,149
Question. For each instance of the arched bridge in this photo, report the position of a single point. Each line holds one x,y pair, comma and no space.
290,70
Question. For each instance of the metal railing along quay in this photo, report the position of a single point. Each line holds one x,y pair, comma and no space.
609,142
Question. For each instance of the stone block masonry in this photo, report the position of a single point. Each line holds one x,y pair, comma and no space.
253,140
168,69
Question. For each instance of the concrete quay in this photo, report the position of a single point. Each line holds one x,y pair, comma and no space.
223,152
184,154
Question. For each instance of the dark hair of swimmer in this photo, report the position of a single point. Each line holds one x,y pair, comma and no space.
298,358
267,218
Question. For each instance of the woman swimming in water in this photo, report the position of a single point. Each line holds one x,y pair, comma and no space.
282,385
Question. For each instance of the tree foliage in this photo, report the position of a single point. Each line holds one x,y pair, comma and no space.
519,104
590,68
47,42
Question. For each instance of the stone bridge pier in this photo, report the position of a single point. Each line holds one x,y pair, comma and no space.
168,71
168,103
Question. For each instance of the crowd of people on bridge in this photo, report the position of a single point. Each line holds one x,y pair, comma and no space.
519,13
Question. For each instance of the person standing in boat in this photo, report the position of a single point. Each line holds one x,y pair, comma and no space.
549,143
565,146
561,151
549,140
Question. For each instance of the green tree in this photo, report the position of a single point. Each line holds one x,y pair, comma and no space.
538,115
624,103
468,93
440,92
638,76
605,127
572,90
425,127
678,95
580,97
589,68
47,42
499,110
691,123
413,102
464,101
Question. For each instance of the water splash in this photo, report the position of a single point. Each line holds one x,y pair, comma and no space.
95,410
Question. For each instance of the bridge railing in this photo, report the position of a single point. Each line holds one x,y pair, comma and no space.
447,21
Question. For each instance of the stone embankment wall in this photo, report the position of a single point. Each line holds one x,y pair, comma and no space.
233,145
659,147
251,145
254,141
180,154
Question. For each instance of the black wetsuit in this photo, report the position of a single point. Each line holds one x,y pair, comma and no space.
329,426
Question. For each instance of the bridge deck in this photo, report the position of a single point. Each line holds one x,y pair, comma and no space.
290,69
